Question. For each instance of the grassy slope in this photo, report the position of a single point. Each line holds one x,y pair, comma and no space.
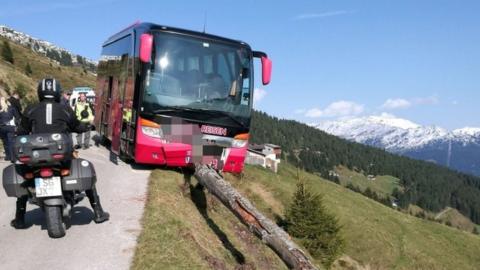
455,218
188,230
176,235
383,184
42,66
376,235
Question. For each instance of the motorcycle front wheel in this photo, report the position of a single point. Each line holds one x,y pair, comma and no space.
55,226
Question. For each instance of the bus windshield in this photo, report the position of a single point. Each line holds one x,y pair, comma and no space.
193,74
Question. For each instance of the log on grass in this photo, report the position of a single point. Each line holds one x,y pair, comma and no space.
271,234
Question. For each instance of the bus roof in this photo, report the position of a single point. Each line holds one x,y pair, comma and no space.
144,27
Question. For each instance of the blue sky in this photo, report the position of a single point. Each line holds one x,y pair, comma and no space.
418,60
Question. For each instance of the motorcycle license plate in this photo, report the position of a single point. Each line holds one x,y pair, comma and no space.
48,187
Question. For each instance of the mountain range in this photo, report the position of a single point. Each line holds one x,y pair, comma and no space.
458,149
52,51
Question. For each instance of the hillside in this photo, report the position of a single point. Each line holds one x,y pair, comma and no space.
13,76
424,184
200,233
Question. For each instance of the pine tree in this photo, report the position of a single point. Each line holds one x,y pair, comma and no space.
28,69
7,53
319,231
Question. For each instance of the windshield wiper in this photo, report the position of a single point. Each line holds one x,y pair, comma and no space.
228,115
171,109
201,110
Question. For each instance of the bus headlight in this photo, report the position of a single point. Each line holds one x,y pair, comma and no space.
152,132
239,143
151,128
240,140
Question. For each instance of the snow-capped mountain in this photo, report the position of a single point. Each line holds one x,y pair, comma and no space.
46,48
458,149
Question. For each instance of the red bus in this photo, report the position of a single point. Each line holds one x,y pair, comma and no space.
176,97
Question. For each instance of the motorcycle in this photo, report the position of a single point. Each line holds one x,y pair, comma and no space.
47,172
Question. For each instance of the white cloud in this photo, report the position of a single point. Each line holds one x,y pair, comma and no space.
401,103
455,102
258,95
300,111
397,103
432,100
309,16
340,108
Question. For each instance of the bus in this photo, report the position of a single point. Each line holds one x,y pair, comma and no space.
175,97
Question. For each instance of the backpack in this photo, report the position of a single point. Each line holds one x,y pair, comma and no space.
84,113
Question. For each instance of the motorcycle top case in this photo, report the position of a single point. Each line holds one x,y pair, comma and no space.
13,182
43,149
82,176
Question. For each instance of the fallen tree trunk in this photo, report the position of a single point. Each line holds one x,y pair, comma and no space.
275,237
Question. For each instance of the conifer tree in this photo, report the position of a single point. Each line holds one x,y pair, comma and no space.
308,220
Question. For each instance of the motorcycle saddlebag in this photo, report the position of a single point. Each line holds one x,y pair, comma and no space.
13,182
82,176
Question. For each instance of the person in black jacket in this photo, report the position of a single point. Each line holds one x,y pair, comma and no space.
65,100
15,103
49,116
8,117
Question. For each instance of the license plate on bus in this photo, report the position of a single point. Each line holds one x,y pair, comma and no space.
48,187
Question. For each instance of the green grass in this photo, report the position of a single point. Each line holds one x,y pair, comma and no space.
186,231
376,235
383,184
191,230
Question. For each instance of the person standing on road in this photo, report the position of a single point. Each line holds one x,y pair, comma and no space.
65,100
49,116
8,116
15,103
84,113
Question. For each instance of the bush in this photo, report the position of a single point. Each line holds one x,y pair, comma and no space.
7,53
5,87
319,231
28,69
22,90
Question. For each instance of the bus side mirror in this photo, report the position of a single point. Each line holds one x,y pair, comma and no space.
266,70
266,66
146,43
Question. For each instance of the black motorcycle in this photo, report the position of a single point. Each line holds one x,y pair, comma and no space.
50,176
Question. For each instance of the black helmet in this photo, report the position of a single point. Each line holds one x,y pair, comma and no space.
49,88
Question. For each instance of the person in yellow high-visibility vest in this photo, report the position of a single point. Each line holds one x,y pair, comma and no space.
85,114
